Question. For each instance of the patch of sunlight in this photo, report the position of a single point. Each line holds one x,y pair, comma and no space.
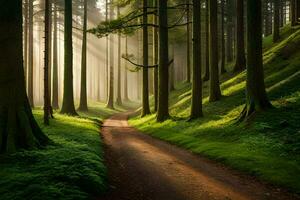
282,82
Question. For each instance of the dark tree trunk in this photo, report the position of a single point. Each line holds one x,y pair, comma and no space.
293,12
25,30
30,54
145,97
46,63
268,18
196,108
119,95
256,97
49,56
188,44
110,101
223,70
18,128
206,75
155,58
229,31
83,106
240,39
126,98
163,68
68,97
215,91
106,55
55,62
276,25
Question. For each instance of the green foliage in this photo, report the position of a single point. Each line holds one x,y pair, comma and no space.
71,168
269,146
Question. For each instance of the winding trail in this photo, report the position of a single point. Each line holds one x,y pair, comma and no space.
143,168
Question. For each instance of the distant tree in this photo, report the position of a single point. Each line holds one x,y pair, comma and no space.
126,97
163,68
206,75
240,38
223,60
68,97
155,57
215,91
119,95
188,43
55,60
256,96
276,16
83,86
196,109
229,30
18,128
293,12
30,54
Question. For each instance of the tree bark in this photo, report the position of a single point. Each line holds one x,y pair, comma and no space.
18,128
119,96
83,106
223,61
25,30
163,68
196,108
215,91
155,58
68,96
206,76
293,13
145,97
55,62
229,30
256,96
46,63
276,25
240,43
30,54
188,44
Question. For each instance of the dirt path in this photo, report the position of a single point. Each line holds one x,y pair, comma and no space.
143,168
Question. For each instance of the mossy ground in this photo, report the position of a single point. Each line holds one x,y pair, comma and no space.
269,146
70,168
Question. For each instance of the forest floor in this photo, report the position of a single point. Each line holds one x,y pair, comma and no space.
143,168
267,147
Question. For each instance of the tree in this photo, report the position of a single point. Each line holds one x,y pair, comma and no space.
25,30
206,75
256,96
214,91
196,109
240,40
188,42
155,57
145,97
223,62
83,89
163,71
18,128
293,12
126,98
276,25
55,61
68,98
119,96
30,54
229,30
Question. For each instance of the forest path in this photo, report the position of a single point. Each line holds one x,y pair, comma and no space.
143,168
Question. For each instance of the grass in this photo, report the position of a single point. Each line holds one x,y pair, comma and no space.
269,146
71,168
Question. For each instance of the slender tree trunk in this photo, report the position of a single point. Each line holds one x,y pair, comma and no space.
155,58
240,43
30,54
196,108
46,63
26,4
126,98
68,97
119,95
206,76
18,128
110,101
256,97
215,91
293,12
223,61
163,71
229,27
188,44
83,106
49,57
55,62
276,25
171,69
145,98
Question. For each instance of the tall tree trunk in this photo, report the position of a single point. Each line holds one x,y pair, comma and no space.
119,95
240,40
171,69
83,89
293,12
30,54
223,70
126,98
215,91
55,62
196,108
206,76
155,58
68,97
276,25
163,68
188,43
49,56
229,31
25,30
145,97
268,18
256,97
110,101
18,128
106,55
46,63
